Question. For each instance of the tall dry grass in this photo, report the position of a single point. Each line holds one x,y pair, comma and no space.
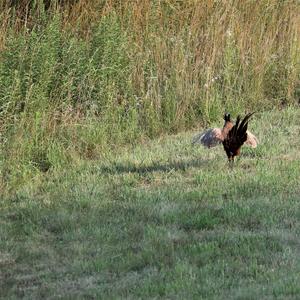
79,77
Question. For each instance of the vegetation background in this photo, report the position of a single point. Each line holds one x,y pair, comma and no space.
102,195
80,77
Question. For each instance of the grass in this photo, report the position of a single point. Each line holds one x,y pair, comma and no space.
161,219
77,77
90,207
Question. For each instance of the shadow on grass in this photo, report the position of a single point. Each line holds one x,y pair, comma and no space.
129,167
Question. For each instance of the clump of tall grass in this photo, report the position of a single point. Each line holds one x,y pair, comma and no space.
78,77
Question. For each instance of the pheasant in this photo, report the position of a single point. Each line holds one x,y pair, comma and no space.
232,136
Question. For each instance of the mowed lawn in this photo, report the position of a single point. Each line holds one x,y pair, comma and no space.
163,220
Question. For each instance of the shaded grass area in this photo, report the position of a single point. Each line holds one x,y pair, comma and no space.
161,219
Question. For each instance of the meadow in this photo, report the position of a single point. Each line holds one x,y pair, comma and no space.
102,194
162,219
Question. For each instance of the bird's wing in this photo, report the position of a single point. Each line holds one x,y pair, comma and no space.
209,138
252,140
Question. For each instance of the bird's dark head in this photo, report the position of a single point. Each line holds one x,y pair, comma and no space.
227,117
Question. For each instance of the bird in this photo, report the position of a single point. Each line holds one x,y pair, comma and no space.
232,136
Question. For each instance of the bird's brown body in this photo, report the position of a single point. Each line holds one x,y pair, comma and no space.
232,136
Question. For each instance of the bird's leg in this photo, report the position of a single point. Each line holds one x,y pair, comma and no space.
231,162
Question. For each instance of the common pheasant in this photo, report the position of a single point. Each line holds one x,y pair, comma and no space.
232,136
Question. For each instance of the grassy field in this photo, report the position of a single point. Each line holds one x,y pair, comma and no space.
161,219
79,76
102,194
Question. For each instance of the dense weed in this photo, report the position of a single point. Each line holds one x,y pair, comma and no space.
78,77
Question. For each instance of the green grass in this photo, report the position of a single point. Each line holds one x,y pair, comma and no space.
161,219
77,77
90,207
